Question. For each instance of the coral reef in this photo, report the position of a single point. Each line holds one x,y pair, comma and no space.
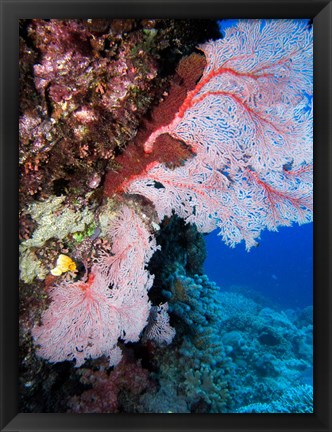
203,371
266,347
125,159
297,399
231,353
85,88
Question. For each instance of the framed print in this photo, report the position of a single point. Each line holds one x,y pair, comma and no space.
166,176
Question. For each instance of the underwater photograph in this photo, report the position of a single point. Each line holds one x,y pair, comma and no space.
166,216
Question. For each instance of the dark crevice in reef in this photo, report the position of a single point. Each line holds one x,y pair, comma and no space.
182,246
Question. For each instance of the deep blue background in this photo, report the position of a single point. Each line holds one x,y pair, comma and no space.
281,267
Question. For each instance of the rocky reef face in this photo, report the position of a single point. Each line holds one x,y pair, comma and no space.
85,88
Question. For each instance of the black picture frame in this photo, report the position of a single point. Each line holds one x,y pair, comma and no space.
321,13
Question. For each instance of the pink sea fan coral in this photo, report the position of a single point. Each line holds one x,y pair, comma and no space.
133,246
86,319
249,122
159,329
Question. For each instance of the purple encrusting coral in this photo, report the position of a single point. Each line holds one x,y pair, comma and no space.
114,142
84,100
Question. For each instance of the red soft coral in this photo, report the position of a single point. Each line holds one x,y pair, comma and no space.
103,396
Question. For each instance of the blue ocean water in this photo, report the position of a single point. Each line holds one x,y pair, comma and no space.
224,24
280,268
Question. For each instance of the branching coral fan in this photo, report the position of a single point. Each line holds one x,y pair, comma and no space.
85,319
248,122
